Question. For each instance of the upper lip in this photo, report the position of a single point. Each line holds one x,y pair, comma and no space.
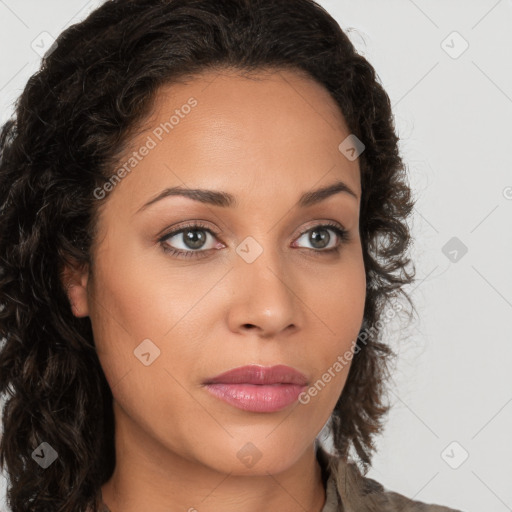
257,374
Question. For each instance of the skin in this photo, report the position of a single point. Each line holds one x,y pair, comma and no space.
266,141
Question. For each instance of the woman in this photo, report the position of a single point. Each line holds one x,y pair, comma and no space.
203,230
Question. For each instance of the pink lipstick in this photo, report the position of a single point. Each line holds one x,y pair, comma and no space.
258,388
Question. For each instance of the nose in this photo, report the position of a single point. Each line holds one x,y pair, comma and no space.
264,299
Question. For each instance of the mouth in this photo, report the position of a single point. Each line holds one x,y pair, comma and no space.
258,388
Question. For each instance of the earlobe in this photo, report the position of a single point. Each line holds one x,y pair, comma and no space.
75,283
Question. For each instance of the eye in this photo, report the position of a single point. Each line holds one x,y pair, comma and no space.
320,238
194,237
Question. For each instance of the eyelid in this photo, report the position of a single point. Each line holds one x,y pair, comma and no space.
190,225
338,228
341,232
322,224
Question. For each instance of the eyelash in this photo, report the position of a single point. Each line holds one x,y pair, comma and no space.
197,226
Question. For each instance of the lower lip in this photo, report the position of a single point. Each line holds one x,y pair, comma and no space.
256,397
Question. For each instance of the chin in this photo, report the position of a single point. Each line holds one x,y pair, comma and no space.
259,457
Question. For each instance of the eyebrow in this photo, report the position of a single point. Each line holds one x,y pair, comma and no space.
226,200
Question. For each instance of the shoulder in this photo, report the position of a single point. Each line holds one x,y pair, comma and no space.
362,494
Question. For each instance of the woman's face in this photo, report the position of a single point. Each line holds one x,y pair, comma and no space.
255,284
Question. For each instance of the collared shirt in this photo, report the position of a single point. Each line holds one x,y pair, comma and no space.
347,490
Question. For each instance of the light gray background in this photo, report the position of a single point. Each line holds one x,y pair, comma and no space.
453,381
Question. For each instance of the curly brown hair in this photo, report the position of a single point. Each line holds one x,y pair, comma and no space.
73,119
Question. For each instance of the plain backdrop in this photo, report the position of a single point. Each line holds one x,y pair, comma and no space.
447,69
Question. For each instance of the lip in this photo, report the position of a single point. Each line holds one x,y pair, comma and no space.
258,388
257,374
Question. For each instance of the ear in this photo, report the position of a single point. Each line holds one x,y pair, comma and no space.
75,278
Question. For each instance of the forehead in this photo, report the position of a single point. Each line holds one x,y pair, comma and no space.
272,130
271,96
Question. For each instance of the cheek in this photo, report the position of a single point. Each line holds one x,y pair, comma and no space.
134,315
143,313
339,304
131,297
340,301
